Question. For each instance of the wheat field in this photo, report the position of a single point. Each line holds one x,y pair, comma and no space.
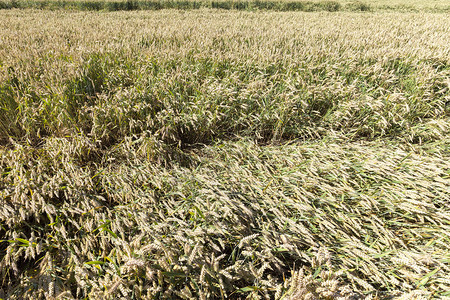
225,154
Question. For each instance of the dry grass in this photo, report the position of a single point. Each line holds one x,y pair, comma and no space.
210,154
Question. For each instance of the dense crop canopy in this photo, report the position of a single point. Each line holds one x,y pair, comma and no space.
224,154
